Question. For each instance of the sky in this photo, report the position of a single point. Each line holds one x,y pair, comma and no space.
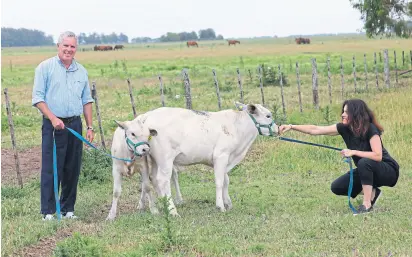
153,18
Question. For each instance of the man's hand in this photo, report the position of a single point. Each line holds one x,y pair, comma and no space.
90,135
57,123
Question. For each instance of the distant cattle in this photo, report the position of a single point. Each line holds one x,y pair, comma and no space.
301,40
233,42
192,43
102,48
118,47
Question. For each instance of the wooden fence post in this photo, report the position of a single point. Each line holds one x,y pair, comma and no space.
131,97
250,76
329,81
162,95
342,78
99,120
239,81
396,68
410,57
380,57
217,90
315,84
261,85
366,71
354,73
403,58
281,92
376,70
386,68
13,139
187,89
298,81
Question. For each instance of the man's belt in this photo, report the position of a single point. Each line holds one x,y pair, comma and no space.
68,119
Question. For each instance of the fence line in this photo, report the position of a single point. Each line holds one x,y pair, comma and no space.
315,84
329,82
99,120
386,68
281,92
162,95
366,71
13,138
239,81
219,102
282,80
131,97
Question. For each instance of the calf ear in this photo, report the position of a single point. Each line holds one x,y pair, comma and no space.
251,108
153,132
240,106
121,124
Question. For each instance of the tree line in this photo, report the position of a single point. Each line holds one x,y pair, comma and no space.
32,37
204,34
95,38
24,37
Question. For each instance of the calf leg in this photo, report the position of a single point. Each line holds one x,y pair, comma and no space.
163,177
146,189
220,170
175,177
117,189
226,198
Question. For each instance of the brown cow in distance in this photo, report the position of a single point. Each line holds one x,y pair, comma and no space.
118,47
102,48
233,42
301,40
192,43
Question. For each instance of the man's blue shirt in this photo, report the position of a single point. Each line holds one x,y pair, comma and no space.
65,91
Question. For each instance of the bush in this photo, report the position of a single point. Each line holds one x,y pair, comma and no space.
96,166
270,77
78,245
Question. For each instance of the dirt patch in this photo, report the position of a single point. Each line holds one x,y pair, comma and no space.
45,246
30,164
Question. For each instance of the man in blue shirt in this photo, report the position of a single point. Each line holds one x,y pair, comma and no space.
61,92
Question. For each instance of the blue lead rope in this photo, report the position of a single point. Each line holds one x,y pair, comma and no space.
347,160
56,185
88,143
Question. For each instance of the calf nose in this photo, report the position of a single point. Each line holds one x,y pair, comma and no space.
146,149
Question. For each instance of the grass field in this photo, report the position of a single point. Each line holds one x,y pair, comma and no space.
281,191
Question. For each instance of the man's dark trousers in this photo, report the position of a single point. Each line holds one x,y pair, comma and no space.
69,155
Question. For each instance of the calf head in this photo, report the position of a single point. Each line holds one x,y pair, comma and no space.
262,118
137,136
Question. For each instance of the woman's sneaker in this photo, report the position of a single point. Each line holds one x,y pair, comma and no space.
362,210
378,194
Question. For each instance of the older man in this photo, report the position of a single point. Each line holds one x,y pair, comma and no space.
61,92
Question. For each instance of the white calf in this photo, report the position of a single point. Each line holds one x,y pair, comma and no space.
218,139
131,141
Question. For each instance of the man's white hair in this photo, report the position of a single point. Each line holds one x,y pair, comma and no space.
66,34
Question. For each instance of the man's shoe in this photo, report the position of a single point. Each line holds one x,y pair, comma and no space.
48,217
378,194
69,215
362,210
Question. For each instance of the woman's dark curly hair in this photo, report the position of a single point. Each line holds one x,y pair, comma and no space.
360,117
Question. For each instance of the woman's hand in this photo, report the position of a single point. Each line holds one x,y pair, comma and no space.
284,128
347,153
